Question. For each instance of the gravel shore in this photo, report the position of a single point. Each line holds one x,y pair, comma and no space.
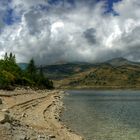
33,115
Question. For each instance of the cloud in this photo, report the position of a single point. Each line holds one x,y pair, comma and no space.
90,35
71,31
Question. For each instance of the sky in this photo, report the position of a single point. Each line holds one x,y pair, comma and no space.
52,31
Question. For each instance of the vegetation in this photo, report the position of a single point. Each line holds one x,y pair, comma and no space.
105,75
61,71
11,75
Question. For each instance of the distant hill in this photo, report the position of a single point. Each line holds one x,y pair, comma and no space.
65,70
114,73
61,71
105,76
121,61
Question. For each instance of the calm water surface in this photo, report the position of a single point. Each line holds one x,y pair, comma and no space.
103,115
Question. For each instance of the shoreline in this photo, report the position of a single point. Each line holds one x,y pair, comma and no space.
34,114
59,107
99,88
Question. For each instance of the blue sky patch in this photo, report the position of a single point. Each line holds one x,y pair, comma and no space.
10,18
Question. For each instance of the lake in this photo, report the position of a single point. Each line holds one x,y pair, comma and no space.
103,115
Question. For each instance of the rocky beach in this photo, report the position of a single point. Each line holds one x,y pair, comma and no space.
26,114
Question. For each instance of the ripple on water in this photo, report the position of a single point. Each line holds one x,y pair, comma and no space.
104,115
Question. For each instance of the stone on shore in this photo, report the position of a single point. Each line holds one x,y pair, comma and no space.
4,117
52,136
5,110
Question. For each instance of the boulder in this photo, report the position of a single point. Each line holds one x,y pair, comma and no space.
5,110
4,117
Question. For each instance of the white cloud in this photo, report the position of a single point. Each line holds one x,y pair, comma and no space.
81,33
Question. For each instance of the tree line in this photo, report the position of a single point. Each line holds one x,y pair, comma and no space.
11,75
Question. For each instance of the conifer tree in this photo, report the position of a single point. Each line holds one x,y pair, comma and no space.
6,56
31,69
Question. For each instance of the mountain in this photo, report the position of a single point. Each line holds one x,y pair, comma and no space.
66,70
121,61
104,76
61,71
114,73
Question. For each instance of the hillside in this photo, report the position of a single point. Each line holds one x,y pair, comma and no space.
121,61
105,77
115,73
61,71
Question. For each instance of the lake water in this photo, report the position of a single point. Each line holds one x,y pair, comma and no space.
103,115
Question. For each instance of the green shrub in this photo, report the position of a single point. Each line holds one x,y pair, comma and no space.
11,75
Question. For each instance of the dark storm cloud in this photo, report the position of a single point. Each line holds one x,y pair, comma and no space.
90,35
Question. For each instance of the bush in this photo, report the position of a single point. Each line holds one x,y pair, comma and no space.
7,80
11,75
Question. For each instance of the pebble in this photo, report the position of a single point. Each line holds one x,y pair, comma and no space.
52,136
24,115
41,136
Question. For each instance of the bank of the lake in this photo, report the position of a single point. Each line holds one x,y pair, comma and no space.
103,115
33,114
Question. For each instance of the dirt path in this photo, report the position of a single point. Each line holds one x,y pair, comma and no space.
35,115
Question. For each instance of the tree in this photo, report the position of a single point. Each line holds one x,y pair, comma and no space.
12,58
31,69
11,75
41,74
5,57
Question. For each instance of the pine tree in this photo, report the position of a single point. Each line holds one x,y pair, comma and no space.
31,69
12,58
6,57
41,72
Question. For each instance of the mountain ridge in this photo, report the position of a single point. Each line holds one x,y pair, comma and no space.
113,73
121,61
60,71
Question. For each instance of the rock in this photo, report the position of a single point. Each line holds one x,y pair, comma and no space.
21,137
41,137
5,110
7,125
56,118
0,101
33,138
24,115
4,117
52,136
57,97
27,88
16,123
